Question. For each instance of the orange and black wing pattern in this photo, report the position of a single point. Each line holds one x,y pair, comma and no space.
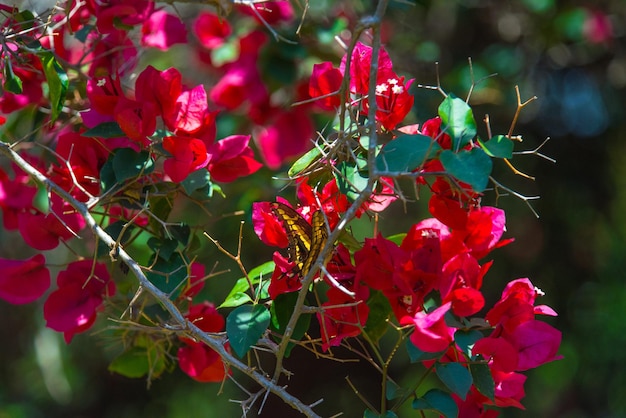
306,241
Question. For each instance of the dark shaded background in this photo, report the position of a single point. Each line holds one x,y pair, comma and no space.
571,54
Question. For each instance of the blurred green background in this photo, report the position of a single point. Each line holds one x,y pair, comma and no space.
572,55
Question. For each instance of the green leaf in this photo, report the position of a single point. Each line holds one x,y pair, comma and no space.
163,247
196,180
498,146
406,153
128,164
439,401
238,295
168,275
416,355
472,167
349,180
58,82
456,377
281,310
114,230
12,82
393,391
303,162
397,238
105,130
137,362
371,414
483,379
225,53
457,120
465,339
245,325
380,310
83,32
41,201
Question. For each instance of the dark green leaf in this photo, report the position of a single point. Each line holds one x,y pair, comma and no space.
472,167
58,82
465,339
128,164
416,355
163,247
83,32
380,309
483,379
12,82
406,153
393,391
281,310
168,275
180,232
457,120
456,377
196,180
439,401
245,325
105,130
371,414
498,146
114,230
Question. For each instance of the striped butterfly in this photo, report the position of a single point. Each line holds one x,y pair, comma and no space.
306,241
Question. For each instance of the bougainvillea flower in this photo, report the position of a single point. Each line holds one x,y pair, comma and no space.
509,388
537,343
191,112
23,281
283,280
231,158
515,305
338,322
499,353
72,308
112,13
360,67
267,227
325,81
333,203
210,30
112,54
431,334
289,135
43,231
137,119
198,361
162,88
195,280
393,100
16,196
188,155
162,30
483,230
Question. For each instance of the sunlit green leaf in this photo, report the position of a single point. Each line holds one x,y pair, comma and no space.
58,82
406,153
472,167
457,120
498,146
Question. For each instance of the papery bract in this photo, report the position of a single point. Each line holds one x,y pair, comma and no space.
338,322
163,30
325,81
72,308
210,30
431,334
289,135
23,281
231,158
195,358
188,155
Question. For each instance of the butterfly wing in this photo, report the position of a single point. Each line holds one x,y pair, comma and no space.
319,236
299,233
